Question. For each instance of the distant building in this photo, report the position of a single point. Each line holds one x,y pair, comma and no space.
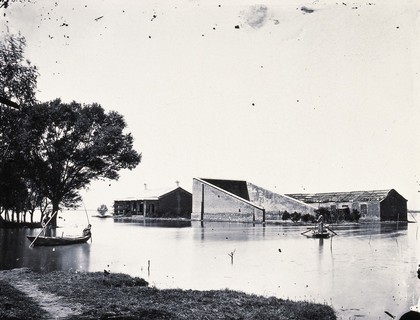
381,205
239,200
163,203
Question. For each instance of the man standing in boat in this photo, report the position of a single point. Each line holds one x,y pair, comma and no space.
46,226
320,224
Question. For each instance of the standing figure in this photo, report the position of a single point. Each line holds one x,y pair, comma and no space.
320,224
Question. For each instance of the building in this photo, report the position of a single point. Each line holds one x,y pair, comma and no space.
239,200
163,203
381,205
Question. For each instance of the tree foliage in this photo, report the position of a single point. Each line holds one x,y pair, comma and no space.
102,209
17,87
18,78
50,151
68,145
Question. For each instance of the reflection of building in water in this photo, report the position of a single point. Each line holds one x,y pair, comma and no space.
382,205
169,202
238,200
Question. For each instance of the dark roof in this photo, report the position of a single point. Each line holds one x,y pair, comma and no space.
237,187
374,195
152,194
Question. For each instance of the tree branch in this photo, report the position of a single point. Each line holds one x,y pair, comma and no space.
9,103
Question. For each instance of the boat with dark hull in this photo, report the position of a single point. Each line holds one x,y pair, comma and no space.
318,235
320,230
57,241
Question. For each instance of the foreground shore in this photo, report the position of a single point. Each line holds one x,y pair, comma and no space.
78,295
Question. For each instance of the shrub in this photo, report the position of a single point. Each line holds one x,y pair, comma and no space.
352,216
285,215
308,218
325,212
295,217
356,215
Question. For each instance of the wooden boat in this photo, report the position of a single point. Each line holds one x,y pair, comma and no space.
315,232
324,235
57,241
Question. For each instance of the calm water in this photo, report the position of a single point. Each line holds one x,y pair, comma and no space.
363,272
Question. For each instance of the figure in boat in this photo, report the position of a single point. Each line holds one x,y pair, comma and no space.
320,224
86,231
48,240
320,230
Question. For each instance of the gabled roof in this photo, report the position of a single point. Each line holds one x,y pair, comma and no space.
151,194
373,195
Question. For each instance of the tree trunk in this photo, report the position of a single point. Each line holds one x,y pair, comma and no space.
55,209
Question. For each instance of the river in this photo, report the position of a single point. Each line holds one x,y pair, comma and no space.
362,272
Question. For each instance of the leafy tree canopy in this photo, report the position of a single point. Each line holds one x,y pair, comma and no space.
17,87
68,145
102,209
18,78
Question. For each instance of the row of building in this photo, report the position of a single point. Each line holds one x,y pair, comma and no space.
239,200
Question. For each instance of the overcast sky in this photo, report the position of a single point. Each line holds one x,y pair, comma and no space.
292,96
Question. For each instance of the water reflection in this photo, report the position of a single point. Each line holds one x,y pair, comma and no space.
364,270
15,253
154,222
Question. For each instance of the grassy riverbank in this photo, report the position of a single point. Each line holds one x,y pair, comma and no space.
118,296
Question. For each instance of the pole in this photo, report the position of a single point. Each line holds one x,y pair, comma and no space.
309,229
330,230
87,217
42,229
202,202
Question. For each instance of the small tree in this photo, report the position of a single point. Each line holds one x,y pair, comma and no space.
295,216
356,215
308,218
285,216
352,216
102,209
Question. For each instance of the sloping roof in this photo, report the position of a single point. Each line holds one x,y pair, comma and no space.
373,195
151,194
204,181
237,187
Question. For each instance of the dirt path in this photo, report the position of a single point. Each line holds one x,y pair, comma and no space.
51,303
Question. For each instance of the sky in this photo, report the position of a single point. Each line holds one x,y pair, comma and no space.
296,97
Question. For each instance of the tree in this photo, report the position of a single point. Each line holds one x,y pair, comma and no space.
285,216
102,209
18,80
69,145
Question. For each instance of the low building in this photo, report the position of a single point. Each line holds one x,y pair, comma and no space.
158,203
381,205
239,200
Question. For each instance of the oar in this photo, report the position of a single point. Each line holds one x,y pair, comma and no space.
42,229
331,230
306,231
